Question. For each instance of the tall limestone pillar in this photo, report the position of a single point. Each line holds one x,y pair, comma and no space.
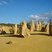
39,26
24,27
25,30
32,26
47,28
15,30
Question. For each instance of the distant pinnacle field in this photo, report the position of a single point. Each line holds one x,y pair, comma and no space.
34,43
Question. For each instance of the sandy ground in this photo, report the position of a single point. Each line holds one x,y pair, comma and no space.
34,43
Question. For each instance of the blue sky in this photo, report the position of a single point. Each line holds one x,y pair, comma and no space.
15,11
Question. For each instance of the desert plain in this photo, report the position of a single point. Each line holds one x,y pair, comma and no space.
34,43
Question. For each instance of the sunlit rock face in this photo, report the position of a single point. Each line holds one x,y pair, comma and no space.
32,26
39,26
47,28
22,29
15,30
6,28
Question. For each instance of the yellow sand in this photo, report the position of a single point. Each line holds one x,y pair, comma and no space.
34,43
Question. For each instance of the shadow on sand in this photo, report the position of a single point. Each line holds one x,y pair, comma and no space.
11,35
21,36
42,34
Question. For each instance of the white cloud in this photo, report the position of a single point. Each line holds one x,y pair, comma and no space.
35,17
31,16
2,2
44,16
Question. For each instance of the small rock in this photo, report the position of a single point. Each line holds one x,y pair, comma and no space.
9,42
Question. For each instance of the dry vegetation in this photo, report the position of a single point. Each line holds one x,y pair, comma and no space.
34,43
